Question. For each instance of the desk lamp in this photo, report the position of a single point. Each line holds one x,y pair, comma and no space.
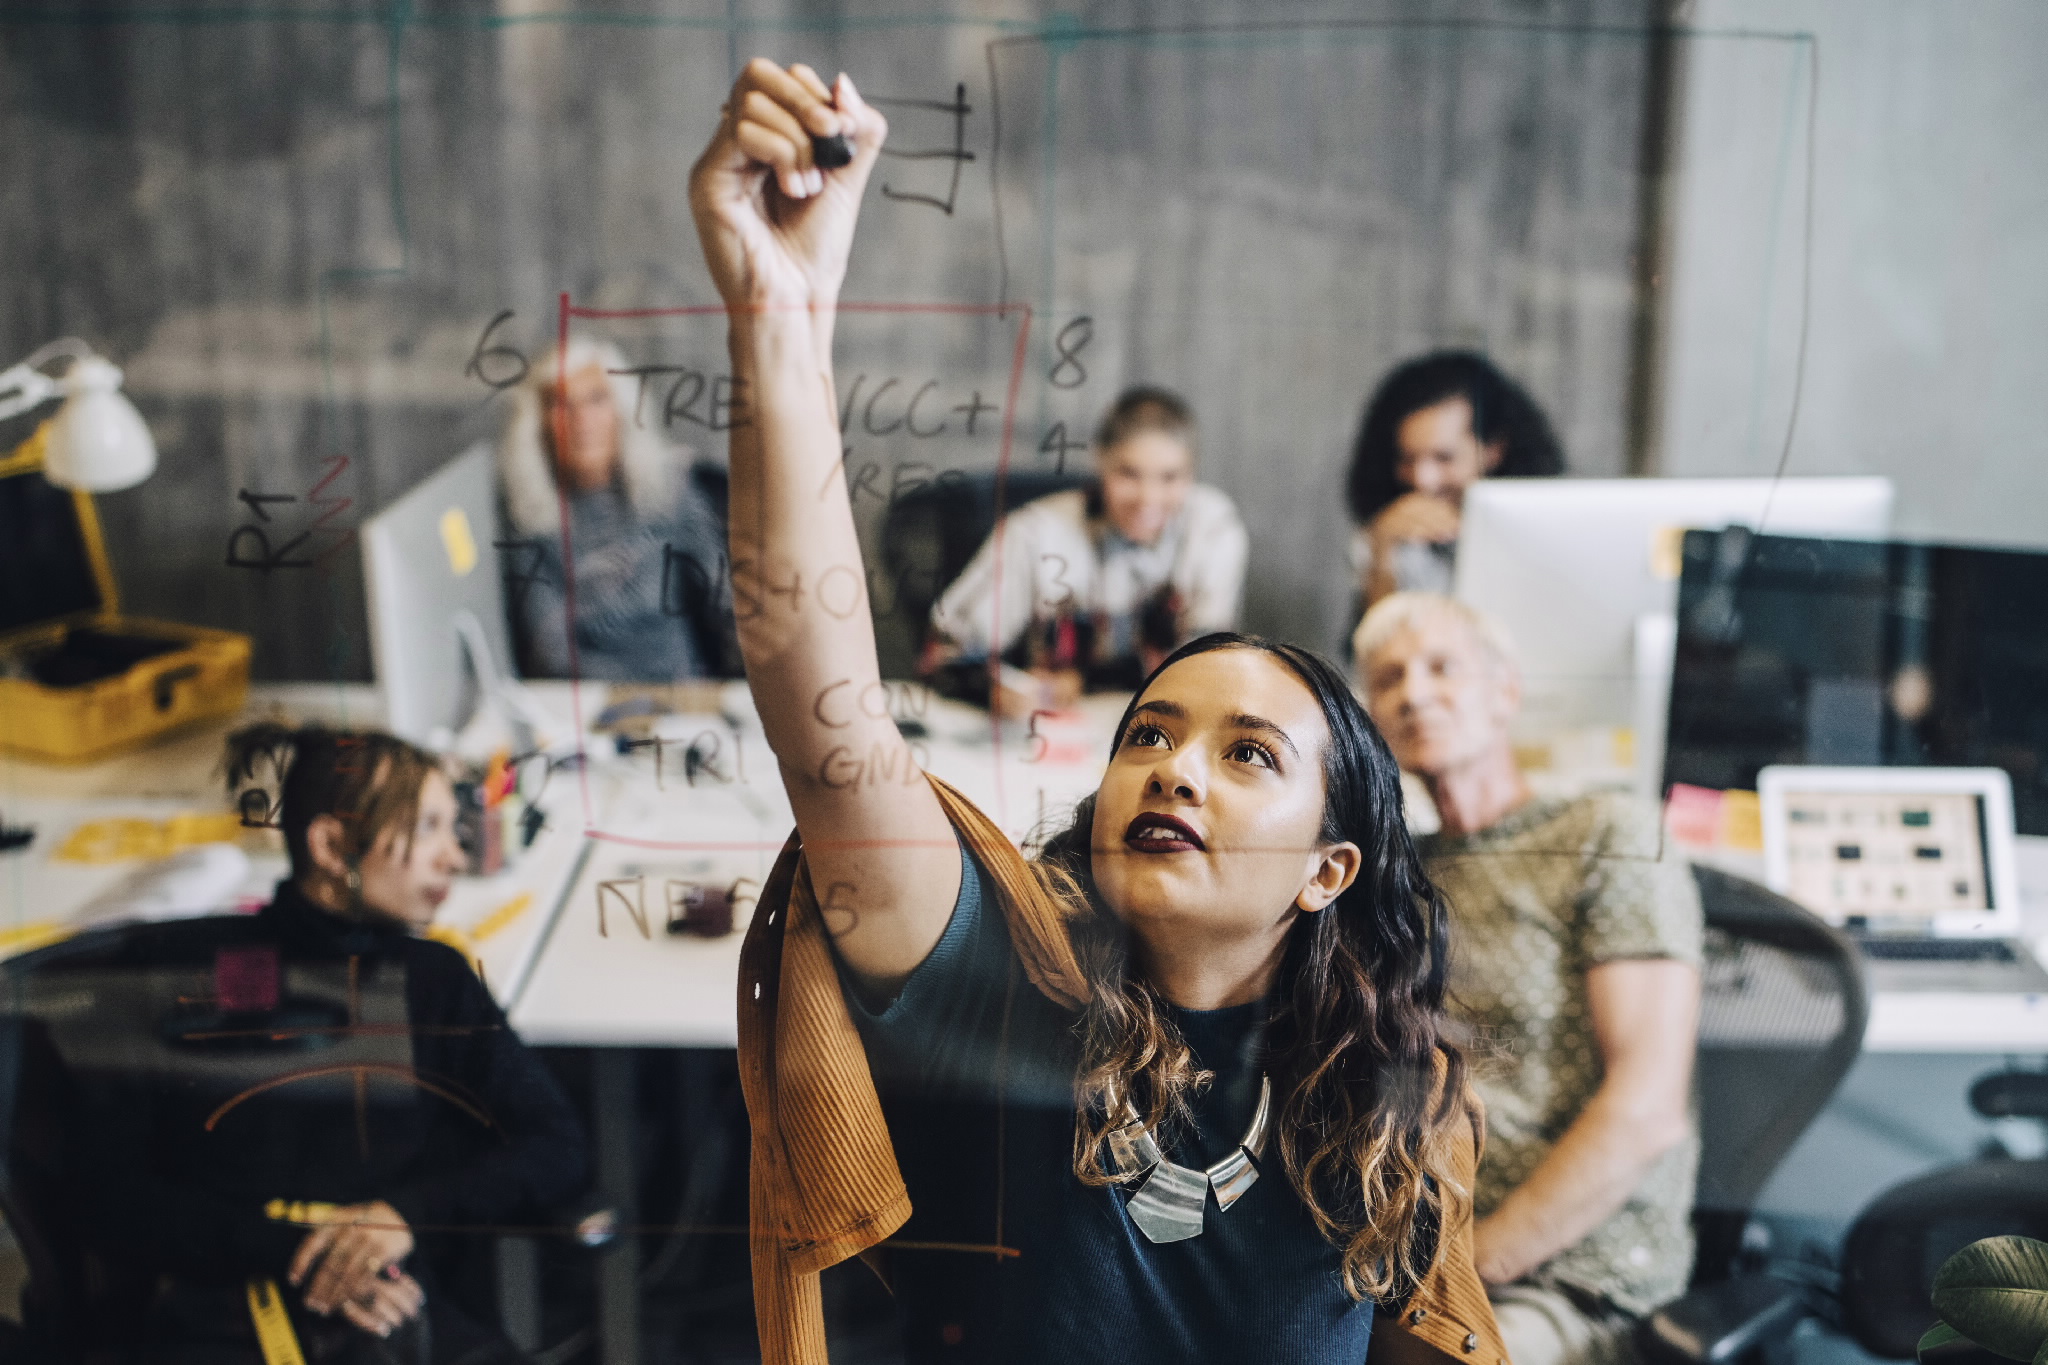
97,442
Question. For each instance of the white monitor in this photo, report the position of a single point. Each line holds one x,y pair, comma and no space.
1571,566
1922,852
431,574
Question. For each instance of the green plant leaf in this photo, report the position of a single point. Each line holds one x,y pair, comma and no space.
1941,1334
1995,1292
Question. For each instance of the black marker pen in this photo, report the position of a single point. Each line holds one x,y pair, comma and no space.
832,152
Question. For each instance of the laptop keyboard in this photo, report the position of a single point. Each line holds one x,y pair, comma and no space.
1937,950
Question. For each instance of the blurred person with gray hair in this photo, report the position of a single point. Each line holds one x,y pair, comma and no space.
1575,966
645,559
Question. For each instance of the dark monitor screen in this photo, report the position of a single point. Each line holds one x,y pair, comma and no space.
1793,650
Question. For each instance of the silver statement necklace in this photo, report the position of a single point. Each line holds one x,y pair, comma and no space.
1168,1206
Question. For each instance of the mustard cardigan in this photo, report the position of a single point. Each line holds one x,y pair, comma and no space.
824,1183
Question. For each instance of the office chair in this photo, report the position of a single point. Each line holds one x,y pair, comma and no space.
1782,1012
931,531
84,1020
711,479
78,1304
1902,1237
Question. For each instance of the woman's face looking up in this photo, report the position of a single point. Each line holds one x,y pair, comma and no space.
1208,823
581,425
1437,453
1145,482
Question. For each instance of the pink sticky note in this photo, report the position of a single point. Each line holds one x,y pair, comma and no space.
245,979
1693,815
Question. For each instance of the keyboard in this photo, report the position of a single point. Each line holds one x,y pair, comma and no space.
1937,949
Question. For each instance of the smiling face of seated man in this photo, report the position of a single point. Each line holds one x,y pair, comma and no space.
1443,694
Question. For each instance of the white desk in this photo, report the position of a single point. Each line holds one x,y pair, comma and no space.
534,927
621,987
566,984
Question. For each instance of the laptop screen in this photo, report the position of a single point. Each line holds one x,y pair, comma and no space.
1886,862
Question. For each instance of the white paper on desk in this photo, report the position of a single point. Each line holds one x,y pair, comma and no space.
201,880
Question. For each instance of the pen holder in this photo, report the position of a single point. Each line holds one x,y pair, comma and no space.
480,827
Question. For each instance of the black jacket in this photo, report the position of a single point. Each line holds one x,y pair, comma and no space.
294,1055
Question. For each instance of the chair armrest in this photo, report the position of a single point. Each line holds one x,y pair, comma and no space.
1721,1322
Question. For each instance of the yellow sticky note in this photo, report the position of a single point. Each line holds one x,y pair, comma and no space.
1742,821
1667,553
457,541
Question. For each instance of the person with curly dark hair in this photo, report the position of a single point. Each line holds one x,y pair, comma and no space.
1435,426
1176,1090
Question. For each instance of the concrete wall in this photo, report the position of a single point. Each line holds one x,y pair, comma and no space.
1927,348
293,233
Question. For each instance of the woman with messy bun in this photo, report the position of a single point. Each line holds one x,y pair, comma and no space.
378,1092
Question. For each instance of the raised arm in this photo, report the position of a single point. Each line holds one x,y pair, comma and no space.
776,231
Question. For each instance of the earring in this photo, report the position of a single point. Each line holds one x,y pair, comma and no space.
355,881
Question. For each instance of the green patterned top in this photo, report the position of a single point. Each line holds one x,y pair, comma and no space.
1556,888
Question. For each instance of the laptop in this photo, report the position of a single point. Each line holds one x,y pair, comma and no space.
1916,864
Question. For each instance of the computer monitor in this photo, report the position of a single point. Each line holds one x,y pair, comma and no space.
435,598
1572,567
1847,653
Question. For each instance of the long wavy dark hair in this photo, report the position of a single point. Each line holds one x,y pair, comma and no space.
1362,1075
1501,411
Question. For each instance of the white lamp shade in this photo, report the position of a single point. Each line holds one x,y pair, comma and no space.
97,442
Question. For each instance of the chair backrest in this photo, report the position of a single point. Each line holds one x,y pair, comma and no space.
76,1305
931,532
149,1012
712,480
1782,1013
1898,1242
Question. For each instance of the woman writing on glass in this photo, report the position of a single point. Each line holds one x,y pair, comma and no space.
1175,1091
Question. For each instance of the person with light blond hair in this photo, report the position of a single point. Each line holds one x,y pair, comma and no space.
580,456
1575,957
